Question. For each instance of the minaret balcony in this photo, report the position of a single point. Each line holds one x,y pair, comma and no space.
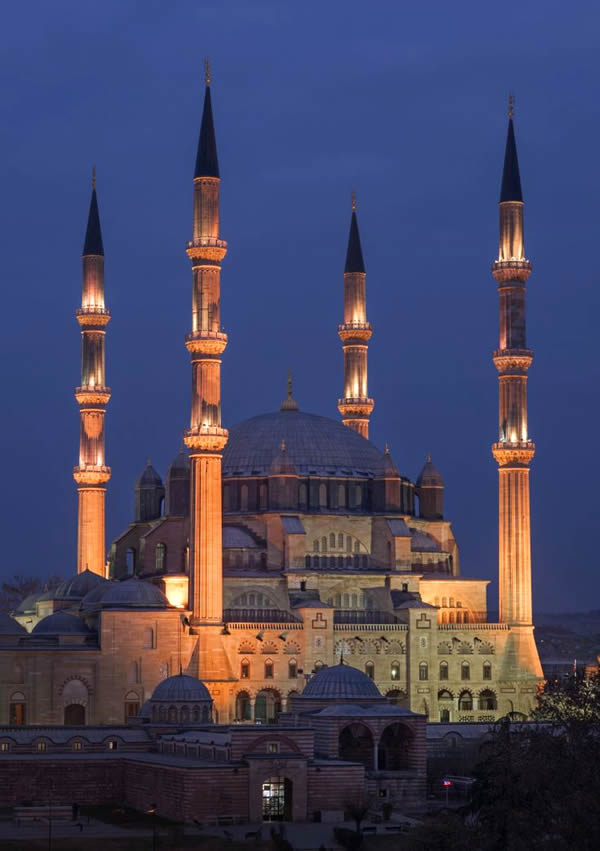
206,248
360,331
206,342
93,315
511,271
91,474
89,395
211,439
350,407
514,453
512,361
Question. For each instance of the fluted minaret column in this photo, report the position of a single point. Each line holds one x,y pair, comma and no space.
356,406
206,438
514,450
92,474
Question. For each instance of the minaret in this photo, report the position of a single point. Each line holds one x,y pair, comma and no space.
206,438
92,474
355,334
514,450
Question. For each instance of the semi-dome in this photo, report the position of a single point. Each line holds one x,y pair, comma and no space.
430,477
9,626
79,585
341,682
60,623
313,444
181,688
133,593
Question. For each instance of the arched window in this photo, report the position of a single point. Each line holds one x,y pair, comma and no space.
444,617
356,546
226,497
172,715
161,553
243,709
17,673
487,670
395,671
332,541
466,617
323,496
348,544
184,715
262,497
244,669
132,705
444,602
269,670
148,638
292,669
487,700
465,701
324,544
443,670
306,561
370,670
17,710
452,601
244,498
423,671
316,545
303,495
465,671
162,713
341,500
130,560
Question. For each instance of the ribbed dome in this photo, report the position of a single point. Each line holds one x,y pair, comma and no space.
340,682
313,444
149,478
181,688
94,597
135,594
79,585
430,476
8,626
60,623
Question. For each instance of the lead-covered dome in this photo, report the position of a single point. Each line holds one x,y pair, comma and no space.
60,623
341,682
79,585
430,476
133,594
181,688
313,444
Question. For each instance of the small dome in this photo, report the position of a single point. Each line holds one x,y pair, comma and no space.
430,477
80,585
281,464
149,477
94,597
181,688
8,626
135,594
341,682
60,623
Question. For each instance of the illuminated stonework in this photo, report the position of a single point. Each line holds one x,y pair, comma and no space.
92,397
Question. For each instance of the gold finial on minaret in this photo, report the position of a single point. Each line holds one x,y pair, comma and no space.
207,71
289,403
93,177
511,105
353,201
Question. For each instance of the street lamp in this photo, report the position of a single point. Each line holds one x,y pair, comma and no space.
152,811
447,784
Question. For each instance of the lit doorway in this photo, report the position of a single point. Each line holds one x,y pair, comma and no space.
277,799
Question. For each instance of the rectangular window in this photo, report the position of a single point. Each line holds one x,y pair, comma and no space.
465,672
268,670
292,670
395,672
443,672
245,670
487,672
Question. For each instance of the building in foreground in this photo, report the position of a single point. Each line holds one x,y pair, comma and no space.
286,544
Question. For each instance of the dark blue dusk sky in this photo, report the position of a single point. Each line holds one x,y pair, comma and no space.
406,103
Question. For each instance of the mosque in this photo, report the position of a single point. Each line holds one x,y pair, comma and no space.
286,545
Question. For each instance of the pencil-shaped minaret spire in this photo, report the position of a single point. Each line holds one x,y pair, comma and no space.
355,333
514,450
206,438
92,474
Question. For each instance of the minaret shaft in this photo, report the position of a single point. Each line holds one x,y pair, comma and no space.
513,451
355,406
92,473
206,438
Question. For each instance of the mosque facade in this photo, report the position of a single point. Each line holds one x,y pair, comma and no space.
286,544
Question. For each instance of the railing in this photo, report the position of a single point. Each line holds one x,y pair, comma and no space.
255,615
370,627
359,616
472,626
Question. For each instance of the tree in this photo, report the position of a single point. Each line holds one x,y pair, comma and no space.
14,591
570,700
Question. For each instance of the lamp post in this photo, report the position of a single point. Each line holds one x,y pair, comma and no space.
447,784
152,811
49,826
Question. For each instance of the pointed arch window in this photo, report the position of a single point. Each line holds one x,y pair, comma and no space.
160,557
423,671
395,671
245,669
487,670
370,670
465,701
332,541
292,669
465,671
269,671
443,670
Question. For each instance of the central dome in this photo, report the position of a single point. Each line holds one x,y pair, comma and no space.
315,445
341,682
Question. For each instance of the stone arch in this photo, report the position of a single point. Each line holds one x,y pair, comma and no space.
465,701
369,647
488,700
444,648
268,648
243,706
267,705
356,743
247,647
465,648
394,749
395,648
78,677
292,648
486,649
343,647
